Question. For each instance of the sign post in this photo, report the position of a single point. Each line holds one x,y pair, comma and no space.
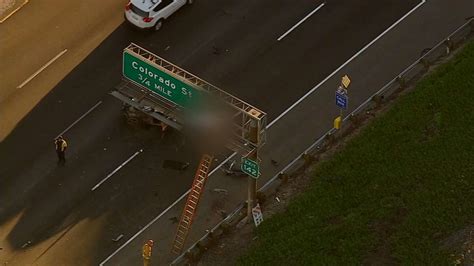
342,100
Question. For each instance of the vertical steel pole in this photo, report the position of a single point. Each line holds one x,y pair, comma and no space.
252,182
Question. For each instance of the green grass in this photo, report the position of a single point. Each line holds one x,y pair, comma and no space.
395,192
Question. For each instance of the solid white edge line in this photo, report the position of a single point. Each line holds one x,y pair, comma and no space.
268,126
116,169
14,11
161,214
301,21
41,69
79,119
347,62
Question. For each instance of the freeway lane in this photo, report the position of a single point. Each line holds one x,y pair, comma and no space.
228,44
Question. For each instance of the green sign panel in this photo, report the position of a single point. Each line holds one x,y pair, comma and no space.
250,167
159,80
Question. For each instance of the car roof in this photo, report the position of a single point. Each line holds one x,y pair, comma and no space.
145,5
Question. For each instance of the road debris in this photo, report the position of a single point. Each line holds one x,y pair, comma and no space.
26,244
220,190
118,238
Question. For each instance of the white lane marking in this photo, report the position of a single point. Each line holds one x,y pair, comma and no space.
268,126
345,63
161,214
301,21
41,69
14,11
116,169
79,119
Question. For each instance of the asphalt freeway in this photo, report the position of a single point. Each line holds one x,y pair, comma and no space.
232,44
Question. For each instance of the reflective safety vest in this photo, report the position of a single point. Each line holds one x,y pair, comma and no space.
146,251
61,145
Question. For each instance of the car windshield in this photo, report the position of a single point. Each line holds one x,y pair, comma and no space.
139,12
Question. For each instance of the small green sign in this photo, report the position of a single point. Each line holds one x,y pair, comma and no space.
159,80
250,167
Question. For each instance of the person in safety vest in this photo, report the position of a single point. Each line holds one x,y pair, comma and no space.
147,252
61,145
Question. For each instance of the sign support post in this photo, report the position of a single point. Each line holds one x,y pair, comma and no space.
342,100
253,175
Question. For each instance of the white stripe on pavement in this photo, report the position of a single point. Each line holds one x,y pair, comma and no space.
79,119
116,169
301,21
41,69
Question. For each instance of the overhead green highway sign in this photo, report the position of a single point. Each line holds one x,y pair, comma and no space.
159,80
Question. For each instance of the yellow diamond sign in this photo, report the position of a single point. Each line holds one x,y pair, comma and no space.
346,81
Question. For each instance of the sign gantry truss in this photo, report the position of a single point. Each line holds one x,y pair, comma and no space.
245,116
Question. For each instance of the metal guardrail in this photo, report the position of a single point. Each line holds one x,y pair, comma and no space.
406,78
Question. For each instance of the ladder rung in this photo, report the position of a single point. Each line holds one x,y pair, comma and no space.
195,191
193,202
188,211
194,196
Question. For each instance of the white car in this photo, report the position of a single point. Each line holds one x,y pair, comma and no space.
151,13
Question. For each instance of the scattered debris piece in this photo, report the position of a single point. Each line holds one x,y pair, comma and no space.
223,213
118,238
274,163
220,190
174,219
278,199
26,244
167,47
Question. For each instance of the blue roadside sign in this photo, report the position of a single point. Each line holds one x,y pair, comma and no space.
342,100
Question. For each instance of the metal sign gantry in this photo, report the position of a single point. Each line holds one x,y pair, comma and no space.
154,97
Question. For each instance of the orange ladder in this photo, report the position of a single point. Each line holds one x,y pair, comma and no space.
191,203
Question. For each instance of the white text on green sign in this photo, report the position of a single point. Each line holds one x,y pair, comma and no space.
159,80
250,167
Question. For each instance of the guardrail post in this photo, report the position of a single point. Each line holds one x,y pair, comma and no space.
330,139
449,45
402,82
355,119
377,99
283,177
425,62
308,159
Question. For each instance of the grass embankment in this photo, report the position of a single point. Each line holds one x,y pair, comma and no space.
395,191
